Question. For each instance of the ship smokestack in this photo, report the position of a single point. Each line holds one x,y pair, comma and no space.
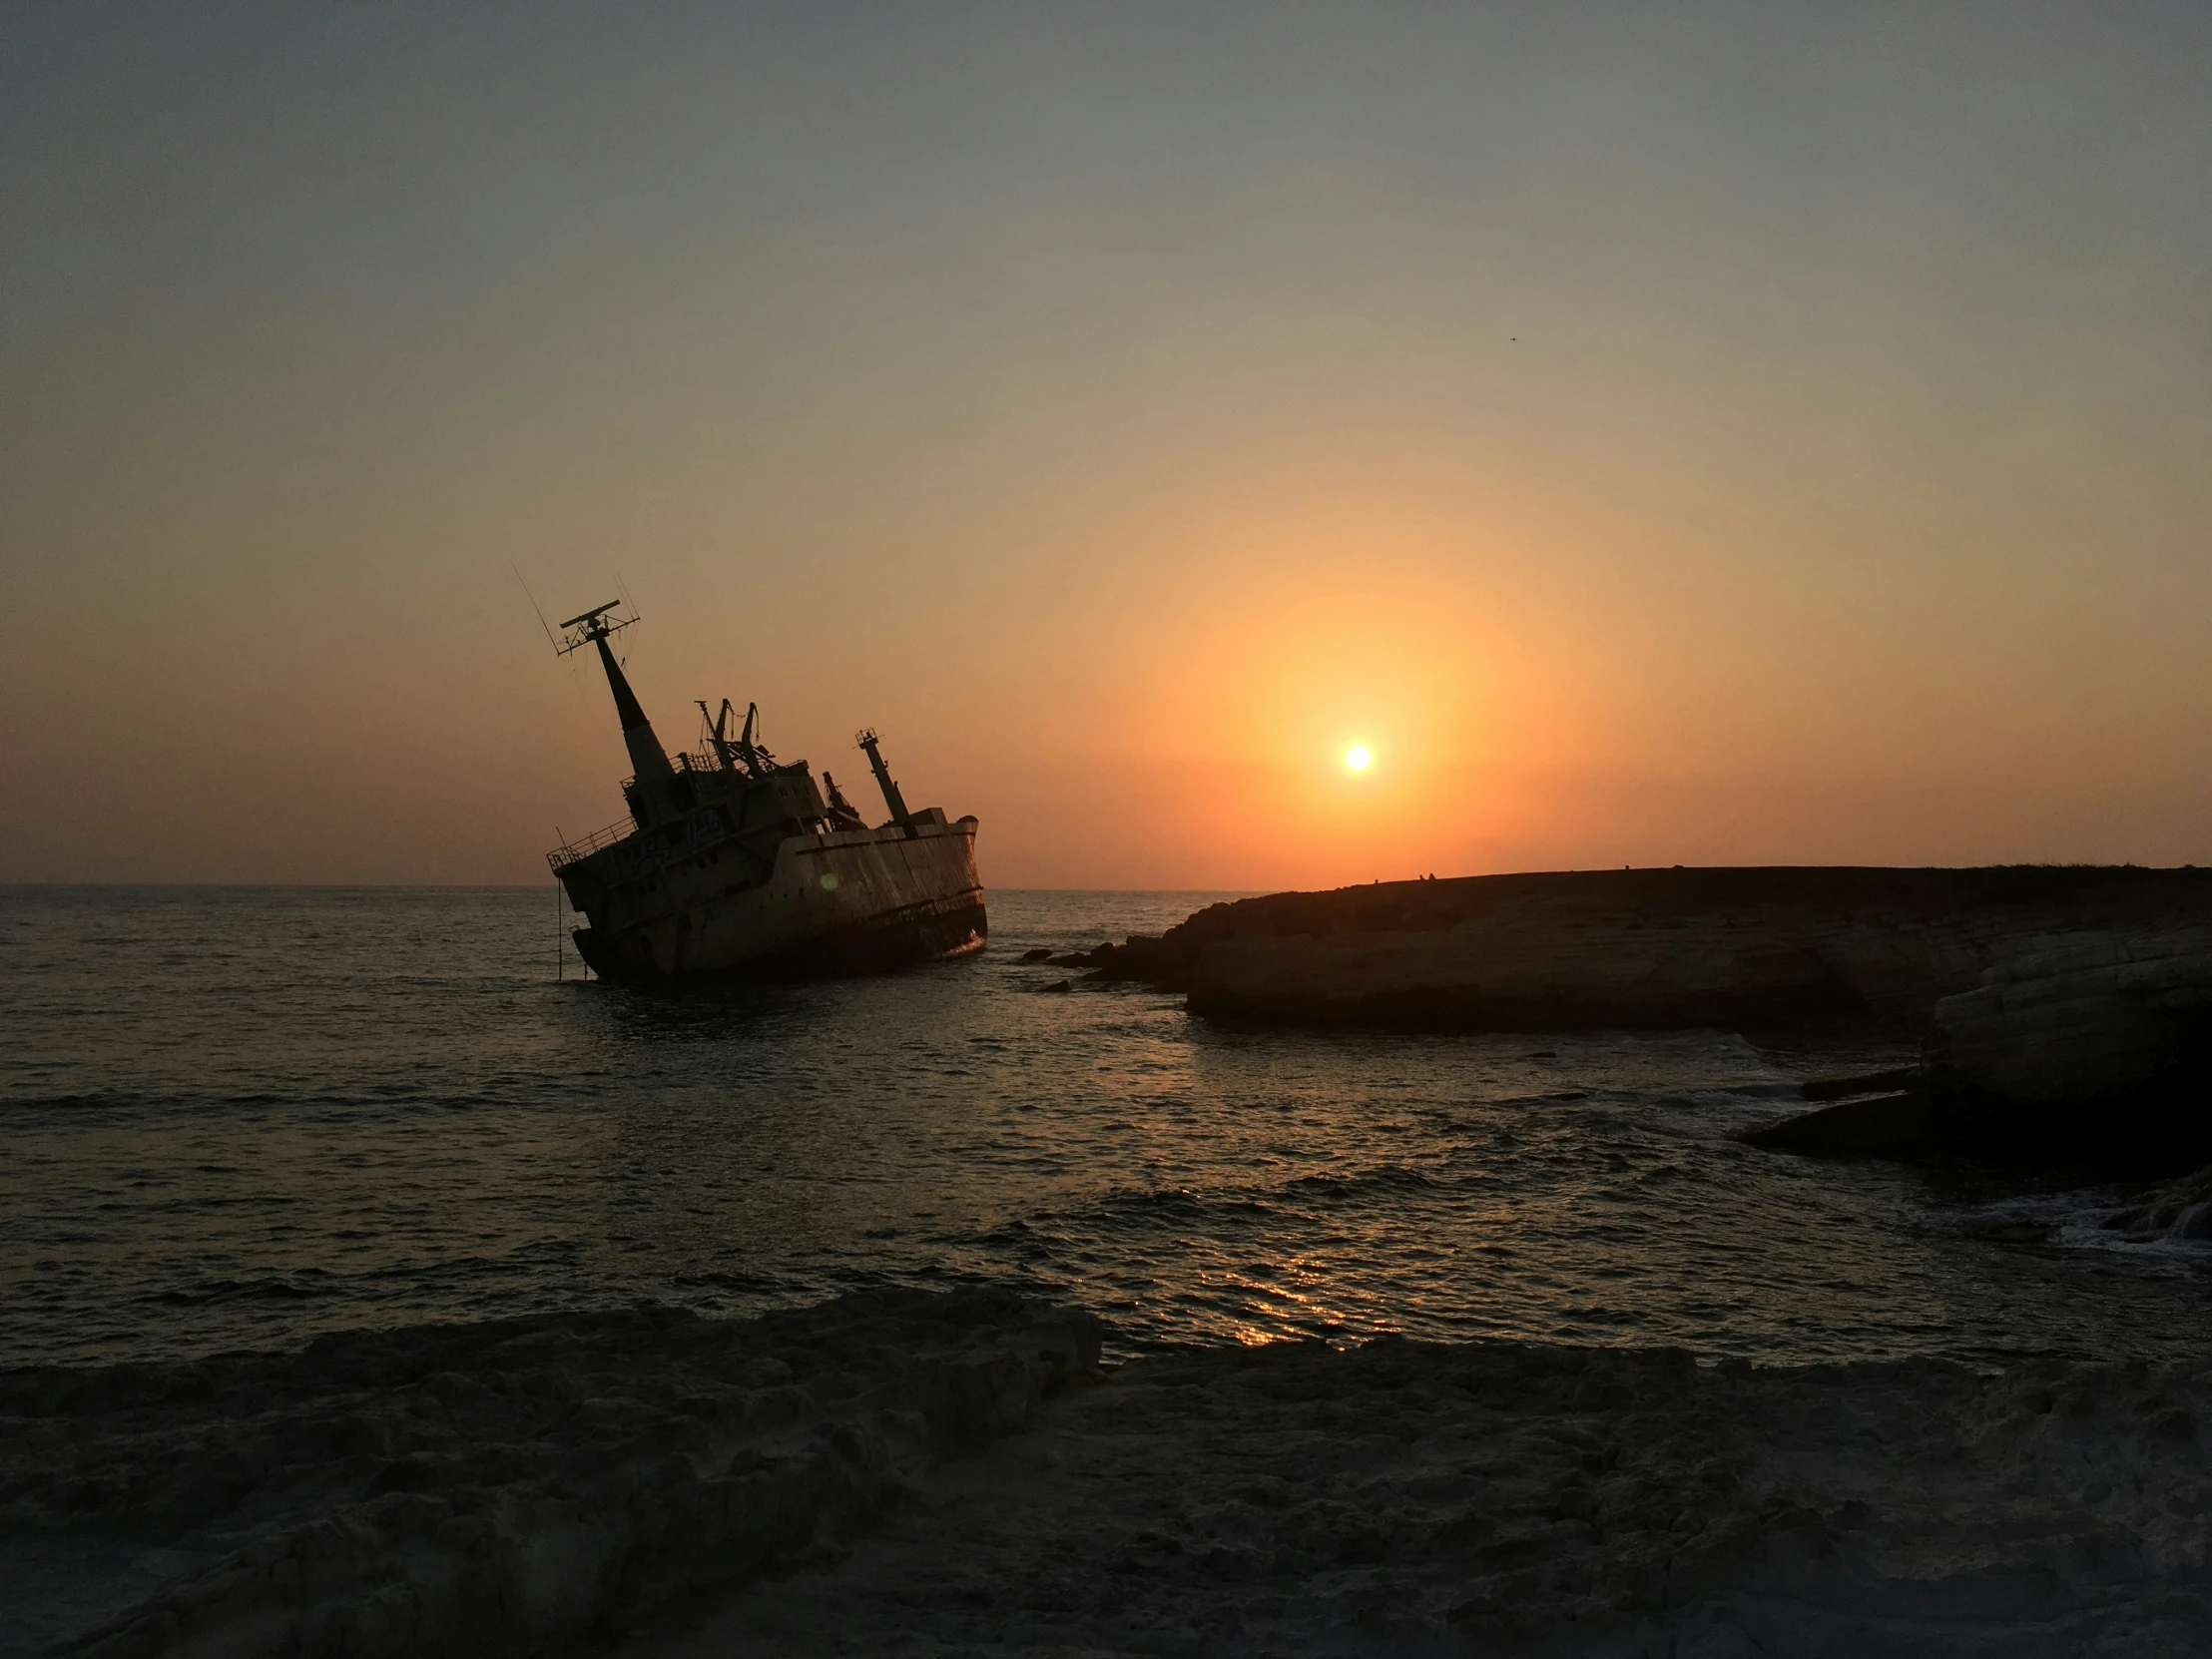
891,798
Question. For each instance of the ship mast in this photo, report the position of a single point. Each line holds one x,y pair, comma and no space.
866,741
647,759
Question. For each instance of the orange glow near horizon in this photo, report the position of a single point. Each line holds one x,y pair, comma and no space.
1269,669
1128,419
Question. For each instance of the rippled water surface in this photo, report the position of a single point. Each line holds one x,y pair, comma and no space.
237,1117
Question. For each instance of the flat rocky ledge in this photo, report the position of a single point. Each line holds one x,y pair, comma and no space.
908,1472
2063,1010
1775,949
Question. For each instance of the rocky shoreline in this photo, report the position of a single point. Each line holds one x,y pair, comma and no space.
517,1488
2062,1010
936,1474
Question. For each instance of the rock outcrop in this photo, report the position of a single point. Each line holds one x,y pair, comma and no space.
506,1488
2062,1008
2081,1020
1900,1124
2096,1043
1757,949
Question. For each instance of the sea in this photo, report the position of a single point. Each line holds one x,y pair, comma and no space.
240,1117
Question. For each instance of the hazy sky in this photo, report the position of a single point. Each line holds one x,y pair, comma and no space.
1665,434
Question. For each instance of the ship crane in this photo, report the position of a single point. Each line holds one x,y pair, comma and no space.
757,758
745,749
842,814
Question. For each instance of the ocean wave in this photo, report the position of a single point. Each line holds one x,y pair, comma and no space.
2179,1215
304,1286
2172,1222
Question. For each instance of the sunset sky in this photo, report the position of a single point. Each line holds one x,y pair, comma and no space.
1662,434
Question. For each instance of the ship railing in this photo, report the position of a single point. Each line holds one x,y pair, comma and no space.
576,852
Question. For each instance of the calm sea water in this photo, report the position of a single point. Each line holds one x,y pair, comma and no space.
241,1116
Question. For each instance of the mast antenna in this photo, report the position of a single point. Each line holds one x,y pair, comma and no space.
593,626
535,606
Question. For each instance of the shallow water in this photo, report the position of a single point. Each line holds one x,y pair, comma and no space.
241,1116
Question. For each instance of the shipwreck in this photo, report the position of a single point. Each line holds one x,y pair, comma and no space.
731,862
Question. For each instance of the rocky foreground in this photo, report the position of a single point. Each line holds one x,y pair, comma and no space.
517,1488
931,1474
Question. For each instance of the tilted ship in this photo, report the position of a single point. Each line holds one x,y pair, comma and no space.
733,862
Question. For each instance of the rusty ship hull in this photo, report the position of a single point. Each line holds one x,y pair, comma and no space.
733,862
847,902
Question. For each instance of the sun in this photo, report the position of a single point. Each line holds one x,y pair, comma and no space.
1359,756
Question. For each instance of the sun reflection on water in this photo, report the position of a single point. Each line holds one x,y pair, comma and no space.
377,1110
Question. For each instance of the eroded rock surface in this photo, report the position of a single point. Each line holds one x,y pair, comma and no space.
905,1474
2082,1020
513,1488
1495,1499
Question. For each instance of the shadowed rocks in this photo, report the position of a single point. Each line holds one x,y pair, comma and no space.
2106,1021
2095,1043
1900,1124
1505,1498
513,1488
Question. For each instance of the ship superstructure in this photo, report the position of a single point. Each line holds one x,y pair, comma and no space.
731,861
